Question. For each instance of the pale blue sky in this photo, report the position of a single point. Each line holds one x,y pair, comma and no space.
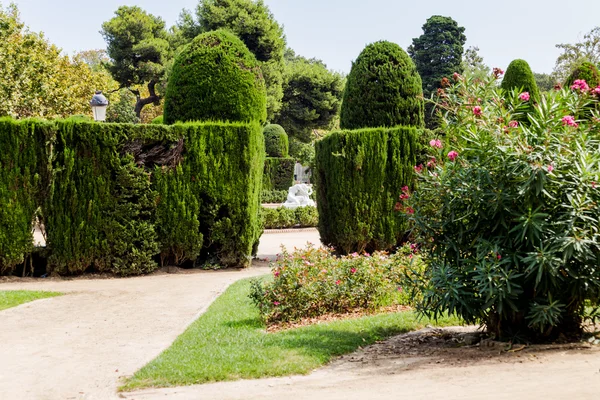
337,30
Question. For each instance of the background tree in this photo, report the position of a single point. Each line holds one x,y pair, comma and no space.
574,54
311,97
37,81
139,49
254,24
473,64
437,53
585,71
545,82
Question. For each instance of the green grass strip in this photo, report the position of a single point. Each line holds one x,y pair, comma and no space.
229,342
15,298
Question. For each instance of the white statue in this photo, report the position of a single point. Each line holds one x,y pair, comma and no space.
299,196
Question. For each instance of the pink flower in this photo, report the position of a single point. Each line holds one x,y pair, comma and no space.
419,168
524,96
477,111
452,155
550,168
594,185
355,254
410,210
398,207
569,120
323,271
580,85
405,189
399,288
413,246
499,257
404,197
276,273
367,255
276,303
353,270
338,282
513,124
431,163
596,91
498,72
437,143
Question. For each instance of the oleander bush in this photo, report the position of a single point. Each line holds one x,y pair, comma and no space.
507,214
284,218
278,173
274,196
115,197
215,78
314,281
276,141
359,176
383,89
585,71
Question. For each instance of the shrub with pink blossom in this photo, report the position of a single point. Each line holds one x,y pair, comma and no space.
509,220
314,281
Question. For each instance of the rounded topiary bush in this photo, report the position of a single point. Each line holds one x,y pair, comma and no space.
519,76
276,141
585,71
215,77
383,89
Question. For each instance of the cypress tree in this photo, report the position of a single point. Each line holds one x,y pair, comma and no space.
276,141
519,76
383,90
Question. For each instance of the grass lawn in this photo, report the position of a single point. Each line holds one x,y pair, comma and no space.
229,342
11,298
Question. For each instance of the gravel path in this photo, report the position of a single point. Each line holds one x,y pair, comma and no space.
78,346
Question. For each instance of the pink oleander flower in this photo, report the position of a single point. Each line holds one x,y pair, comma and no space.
580,85
405,189
276,303
398,207
276,273
569,120
338,282
456,76
419,168
353,270
413,246
477,111
594,185
400,288
513,124
410,210
452,155
498,72
404,196
550,168
499,257
437,143
355,254
524,96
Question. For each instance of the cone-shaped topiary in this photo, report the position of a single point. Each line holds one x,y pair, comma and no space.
586,71
215,77
276,141
383,89
519,76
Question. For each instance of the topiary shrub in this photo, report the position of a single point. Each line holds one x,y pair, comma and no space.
158,120
215,77
279,173
383,89
519,76
585,71
360,175
276,141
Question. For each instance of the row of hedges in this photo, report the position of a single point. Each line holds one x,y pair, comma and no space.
273,196
278,173
113,197
283,218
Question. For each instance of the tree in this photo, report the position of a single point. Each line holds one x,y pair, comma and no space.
545,82
437,53
383,90
519,76
37,81
254,24
574,54
311,97
215,77
96,59
472,63
585,71
139,49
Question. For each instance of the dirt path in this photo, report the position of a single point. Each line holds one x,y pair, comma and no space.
418,370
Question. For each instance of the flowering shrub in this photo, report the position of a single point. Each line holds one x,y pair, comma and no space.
509,219
314,282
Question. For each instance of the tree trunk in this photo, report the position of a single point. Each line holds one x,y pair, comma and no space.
141,103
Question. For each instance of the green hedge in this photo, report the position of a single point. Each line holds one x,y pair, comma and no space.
215,77
115,196
360,175
276,141
279,173
284,218
274,196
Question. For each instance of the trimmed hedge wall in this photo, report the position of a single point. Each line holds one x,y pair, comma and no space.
215,78
115,196
279,173
285,218
276,141
360,175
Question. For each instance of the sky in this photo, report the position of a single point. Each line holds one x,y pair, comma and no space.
336,31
